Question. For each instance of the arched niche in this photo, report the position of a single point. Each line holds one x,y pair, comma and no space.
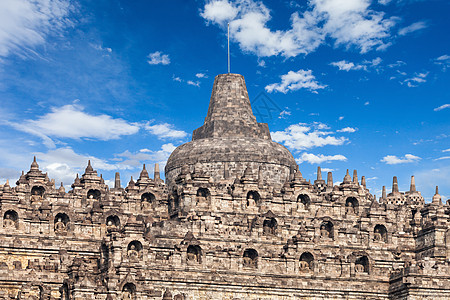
327,230
306,261
134,250
250,258
94,194
194,253
202,195
270,226
147,199
128,291
10,219
351,205
380,233
253,198
112,222
304,201
61,222
37,192
362,264
174,203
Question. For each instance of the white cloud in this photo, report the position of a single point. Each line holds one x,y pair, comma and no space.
194,83
101,48
64,163
446,150
158,58
341,118
344,65
70,121
318,159
305,136
165,131
284,114
25,24
444,106
350,23
415,80
327,170
145,155
442,158
444,61
412,28
219,11
347,129
394,160
366,103
176,78
292,81
201,75
347,66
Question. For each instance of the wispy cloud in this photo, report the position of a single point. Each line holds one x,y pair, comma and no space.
25,24
444,61
394,160
292,81
412,28
415,80
201,75
344,65
318,159
305,136
158,58
194,83
443,106
165,131
349,24
70,121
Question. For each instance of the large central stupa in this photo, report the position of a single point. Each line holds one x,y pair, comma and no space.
231,141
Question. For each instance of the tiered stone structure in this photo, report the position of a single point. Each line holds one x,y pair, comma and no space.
234,220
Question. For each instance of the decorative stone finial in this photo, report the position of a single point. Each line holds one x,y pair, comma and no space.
363,181
156,174
347,178
412,187
89,168
394,185
355,177
34,164
437,198
117,181
383,193
144,173
319,173
330,179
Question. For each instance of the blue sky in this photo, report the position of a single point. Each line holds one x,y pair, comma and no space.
354,84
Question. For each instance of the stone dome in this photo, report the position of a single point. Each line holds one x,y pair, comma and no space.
231,140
